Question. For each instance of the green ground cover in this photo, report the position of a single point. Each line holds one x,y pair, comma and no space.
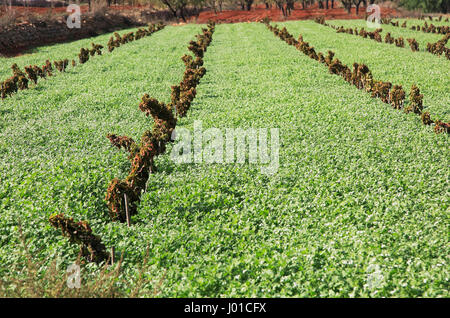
387,62
61,51
422,38
361,194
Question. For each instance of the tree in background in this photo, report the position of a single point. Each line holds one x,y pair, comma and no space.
427,5
220,3
213,4
177,7
289,6
248,4
268,4
306,3
326,4
357,3
280,4
347,4
216,5
286,6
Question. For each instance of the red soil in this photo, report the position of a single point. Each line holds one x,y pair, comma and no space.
274,14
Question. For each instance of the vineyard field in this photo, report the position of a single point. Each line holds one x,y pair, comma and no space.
387,62
360,185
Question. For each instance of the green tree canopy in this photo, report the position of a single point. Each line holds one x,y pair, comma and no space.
427,5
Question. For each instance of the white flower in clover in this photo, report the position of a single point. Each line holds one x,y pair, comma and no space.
375,278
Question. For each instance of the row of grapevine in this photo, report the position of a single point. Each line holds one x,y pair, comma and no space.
123,195
20,79
362,78
84,54
91,246
435,48
117,40
387,20
431,28
439,47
